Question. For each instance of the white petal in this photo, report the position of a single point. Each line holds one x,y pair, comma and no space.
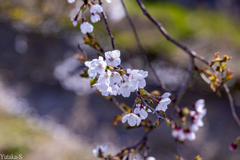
175,133
124,119
131,121
143,113
194,127
71,1
108,1
166,95
95,18
191,136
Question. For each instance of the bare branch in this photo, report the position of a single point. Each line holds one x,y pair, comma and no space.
141,47
231,104
165,34
107,27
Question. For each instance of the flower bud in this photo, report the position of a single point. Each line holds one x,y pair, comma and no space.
198,158
138,100
185,111
150,101
167,121
155,93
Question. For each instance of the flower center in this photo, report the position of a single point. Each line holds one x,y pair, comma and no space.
111,59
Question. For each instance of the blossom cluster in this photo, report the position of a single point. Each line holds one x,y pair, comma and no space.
100,150
141,111
182,133
111,79
85,26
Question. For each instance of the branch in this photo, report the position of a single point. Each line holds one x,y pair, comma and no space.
141,47
114,100
107,27
165,34
231,104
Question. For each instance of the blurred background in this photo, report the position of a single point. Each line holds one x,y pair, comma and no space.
47,110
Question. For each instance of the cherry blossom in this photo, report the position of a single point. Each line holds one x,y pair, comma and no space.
162,105
142,82
199,105
181,135
109,1
105,89
132,119
115,90
71,1
104,78
142,111
95,18
115,78
151,158
96,66
125,89
96,8
191,136
98,149
86,27
175,132
74,22
113,58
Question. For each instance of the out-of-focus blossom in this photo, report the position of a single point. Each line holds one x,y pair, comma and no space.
86,27
99,149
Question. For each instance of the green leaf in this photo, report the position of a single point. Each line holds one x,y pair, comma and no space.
84,74
93,81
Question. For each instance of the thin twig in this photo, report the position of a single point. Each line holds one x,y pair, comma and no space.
107,27
165,34
141,47
114,100
231,104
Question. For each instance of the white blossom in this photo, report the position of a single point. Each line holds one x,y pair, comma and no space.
96,8
115,90
181,135
199,105
125,89
104,77
151,158
105,89
175,132
132,119
74,21
113,58
109,1
96,66
98,148
191,136
86,27
198,115
143,114
142,82
162,105
166,95
71,1
95,18
115,78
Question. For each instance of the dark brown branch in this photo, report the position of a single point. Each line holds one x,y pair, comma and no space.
165,34
141,47
107,27
231,104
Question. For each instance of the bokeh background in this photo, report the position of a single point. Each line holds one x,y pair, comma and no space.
48,112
